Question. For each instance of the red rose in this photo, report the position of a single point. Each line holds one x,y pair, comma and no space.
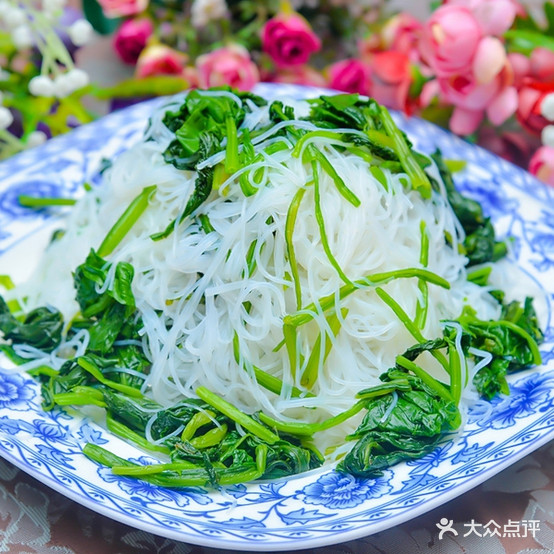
289,40
351,75
131,38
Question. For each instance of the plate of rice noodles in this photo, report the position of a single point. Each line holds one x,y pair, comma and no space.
271,320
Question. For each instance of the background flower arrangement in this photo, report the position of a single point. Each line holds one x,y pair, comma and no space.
483,68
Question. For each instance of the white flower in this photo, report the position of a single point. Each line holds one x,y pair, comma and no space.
36,138
14,17
22,37
6,117
70,81
547,107
204,11
547,136
79,78
80,32
63,85
41,86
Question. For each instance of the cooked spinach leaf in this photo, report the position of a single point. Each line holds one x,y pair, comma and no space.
41,328
400,425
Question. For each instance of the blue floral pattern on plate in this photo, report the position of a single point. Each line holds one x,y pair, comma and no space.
319,507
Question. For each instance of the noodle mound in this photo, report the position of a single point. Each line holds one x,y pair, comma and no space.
215,294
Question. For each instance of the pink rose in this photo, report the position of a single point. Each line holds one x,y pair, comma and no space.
350,75
531,96
494,16
289,40
391,79
401,33
542,64
299,75
521,67
190,75
122,8
368,45
542,164
450,40
131,38
472,100
230,65
160,60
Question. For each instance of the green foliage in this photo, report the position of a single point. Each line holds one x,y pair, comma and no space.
408,422
383,140
527,33
41,328
200,124
101,24
199,121
403,424
512,341
92,274
209,446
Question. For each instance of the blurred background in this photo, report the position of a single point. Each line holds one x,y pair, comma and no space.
482,68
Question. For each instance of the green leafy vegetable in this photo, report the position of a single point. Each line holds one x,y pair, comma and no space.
41,328
512,340
403,424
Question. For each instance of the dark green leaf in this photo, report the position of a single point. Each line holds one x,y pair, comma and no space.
491,379
91,275
122,292
278,112
202,185
134,412
479,245
402,424
105,330
376,451
41,327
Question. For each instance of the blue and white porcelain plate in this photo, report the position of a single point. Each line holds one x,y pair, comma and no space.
317,508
